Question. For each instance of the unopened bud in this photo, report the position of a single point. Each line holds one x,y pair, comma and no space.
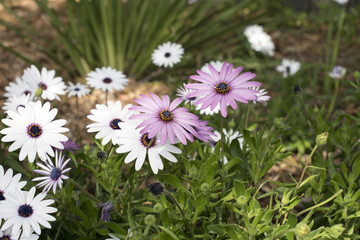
302,230
193,172
156,188
158,207
321,139
242,200
38,92
205,187
150,220
102,155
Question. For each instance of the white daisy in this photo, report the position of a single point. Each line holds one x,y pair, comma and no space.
18,88
106,79
229,137
51,86
253,29
216,64
338,72
79,90
208,111
167,54
261,95
182,93
139,145
341,2
24,210
262,42
288,67
8,184
33,130
54,175
106,120
15,102
7,235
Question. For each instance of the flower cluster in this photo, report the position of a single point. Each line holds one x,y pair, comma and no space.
259,40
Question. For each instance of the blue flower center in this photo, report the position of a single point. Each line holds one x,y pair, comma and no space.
222,88
26,92
166,115
167,54
2,197
6,237
148,142
55,174
42,86
34,130
114,124
77,89
107,80
25,210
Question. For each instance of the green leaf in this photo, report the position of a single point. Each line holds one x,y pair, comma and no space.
171,234
175,182
201,202
115,227
217,228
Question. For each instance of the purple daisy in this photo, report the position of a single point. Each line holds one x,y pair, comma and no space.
204,131
54,175
224,87
165,117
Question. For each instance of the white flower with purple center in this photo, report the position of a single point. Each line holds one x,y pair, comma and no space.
79,90
24,211
139,145
8,184
54,174
338,72
262,42
216,64
51,86
106,120
208,111
167,54
15,102
288,67
107,79
182,93
18,88
252,30
34,130
261,95
7,235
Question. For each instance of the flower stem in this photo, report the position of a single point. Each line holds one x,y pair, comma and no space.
247,116
84,190
333,99
222,164
306,166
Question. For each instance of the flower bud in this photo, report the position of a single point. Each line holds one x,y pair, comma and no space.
38,92
158,207
205,187
150,220
321,139
242,200
193,172
102,155
156,188
302,230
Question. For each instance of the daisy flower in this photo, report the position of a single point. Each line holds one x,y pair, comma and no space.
53,175
15,102
208,111
139,145
224,88
8,184
288,67
18,88
204,131
261,95
182,93
107,79
79,90
165,117
229,137
106,120
262,42
338,72
341,2
33,130
216,64
51,86
167,54
252,30
69,146
7,235
24,210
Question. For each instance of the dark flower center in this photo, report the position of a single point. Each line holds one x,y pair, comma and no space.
166,115
156,188
2,197
6,237
42,86
191,98
55,174
26,92
107,80
288,70
25,210
167,54
114,123
34,130
148,142
77,89
222,88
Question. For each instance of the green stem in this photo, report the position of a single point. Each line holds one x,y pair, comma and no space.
58,231
328,48
284,232
247,116
306,166
222,164
320,204
333,99
84,190
337,39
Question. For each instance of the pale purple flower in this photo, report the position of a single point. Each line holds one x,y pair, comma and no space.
69,146
106,211
224,87
54,175
204,131
165,117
